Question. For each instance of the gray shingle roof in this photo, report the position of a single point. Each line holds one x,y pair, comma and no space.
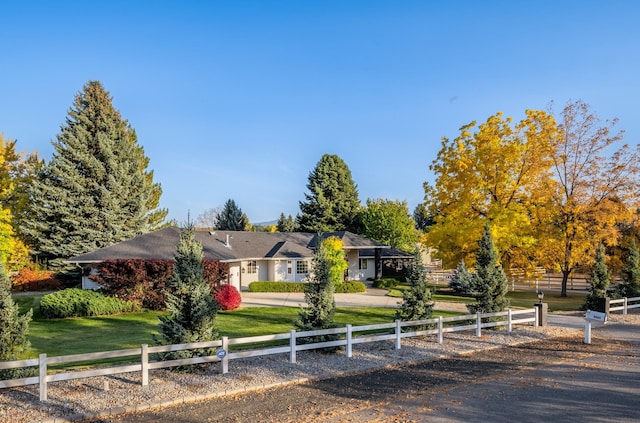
162,244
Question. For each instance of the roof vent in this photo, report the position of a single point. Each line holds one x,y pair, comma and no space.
226,243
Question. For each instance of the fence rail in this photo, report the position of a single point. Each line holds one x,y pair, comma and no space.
348,336
626,304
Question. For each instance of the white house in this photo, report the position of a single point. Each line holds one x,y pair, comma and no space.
251,256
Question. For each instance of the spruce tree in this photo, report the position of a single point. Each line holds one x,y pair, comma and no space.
630,276
96,190
416,301
231,218
599,280
490,281
318,294
285,224
191,309
461,280
332,202
14,344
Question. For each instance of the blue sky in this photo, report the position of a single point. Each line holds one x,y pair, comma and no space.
240,99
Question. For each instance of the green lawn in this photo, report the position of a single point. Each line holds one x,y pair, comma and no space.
91,334
520,299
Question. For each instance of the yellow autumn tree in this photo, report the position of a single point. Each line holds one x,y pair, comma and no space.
334,252
492,173
594,188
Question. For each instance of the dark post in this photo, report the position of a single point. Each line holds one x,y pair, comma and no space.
378,263
603,305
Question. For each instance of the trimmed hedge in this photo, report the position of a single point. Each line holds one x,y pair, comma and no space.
386,283
349,287
74,302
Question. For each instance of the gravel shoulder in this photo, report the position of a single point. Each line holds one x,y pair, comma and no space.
250,381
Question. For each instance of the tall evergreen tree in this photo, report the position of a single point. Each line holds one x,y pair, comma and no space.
599,280
14,328
332,202
490,281
318,295
192,310
630,276
231,218
416,301
96,189
285,224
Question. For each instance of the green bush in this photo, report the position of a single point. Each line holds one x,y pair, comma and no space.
349,287
74,302
386,283
266,286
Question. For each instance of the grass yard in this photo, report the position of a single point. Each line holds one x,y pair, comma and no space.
92,334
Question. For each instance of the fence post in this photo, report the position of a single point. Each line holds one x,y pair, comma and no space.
43,376
478,324
349,333
509,326
292,346
144,359
440,330
398,332
225,359
536,318
624,306
587,331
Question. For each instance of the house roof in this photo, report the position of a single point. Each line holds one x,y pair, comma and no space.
226,246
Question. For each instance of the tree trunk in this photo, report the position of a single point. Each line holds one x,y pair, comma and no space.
378,263
565,278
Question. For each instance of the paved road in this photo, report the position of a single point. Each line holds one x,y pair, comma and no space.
553,380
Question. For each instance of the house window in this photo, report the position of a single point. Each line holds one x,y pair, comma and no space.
289,267
252,266
302,267
363,264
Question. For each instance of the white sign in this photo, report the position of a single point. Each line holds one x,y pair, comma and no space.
596,316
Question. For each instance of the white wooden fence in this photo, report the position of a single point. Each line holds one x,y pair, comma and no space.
626,304
368,333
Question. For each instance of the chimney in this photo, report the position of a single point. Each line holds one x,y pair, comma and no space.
226,244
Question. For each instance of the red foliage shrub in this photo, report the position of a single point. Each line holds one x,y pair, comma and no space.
228,297
35,280
141,281
215,273
146,282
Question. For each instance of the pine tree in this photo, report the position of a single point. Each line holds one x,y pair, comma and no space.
318,295
191,309
599,280
630,276
461,280
490,280
416,301
285,224
14,344
231,218
332,202
95,191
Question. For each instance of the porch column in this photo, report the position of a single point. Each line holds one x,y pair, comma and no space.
378,263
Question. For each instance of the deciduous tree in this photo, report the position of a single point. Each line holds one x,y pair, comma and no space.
331,203
389,222
334,251
491,173
595,186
